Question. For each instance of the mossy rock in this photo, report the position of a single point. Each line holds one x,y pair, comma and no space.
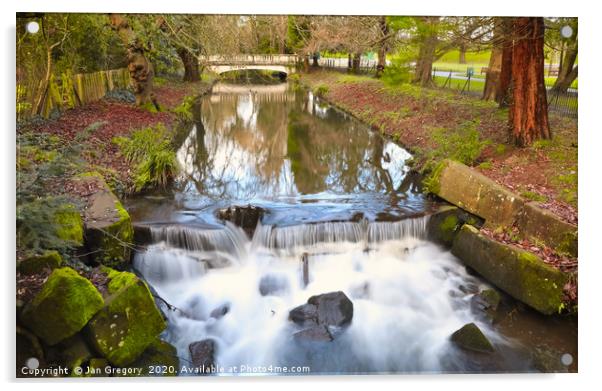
96,366
35,264
70,226
544,226
159,354
470,337
109,232
519,273
470,190
491,297
445,223
66,302
74,352
128,323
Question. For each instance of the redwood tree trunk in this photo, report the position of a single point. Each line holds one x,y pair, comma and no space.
529,110
191,64
140,69
502,94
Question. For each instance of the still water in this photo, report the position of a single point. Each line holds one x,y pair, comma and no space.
342,196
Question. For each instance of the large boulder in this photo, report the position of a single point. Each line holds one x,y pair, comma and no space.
70,226
74,351
470,337
519,273
472,191
66,302
202,354
535,222
314,333
160,355
35,264
108,227
128,323
328,309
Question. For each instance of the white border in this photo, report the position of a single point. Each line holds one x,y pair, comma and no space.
589,174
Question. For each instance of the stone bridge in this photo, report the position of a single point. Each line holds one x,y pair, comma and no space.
283,63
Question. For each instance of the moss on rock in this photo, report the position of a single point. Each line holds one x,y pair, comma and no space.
444,224
128,323
470,337
66,302
109,231
160,355
519,273
34,264
70,226
472,191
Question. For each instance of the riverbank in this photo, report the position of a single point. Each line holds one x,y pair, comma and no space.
75,238
436,125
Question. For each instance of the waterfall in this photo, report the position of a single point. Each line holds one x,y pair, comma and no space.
383,231
230,239
307,235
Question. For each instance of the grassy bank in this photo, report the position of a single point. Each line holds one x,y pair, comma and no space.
436,124
129,146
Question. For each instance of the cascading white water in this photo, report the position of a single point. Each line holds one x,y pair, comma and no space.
406,294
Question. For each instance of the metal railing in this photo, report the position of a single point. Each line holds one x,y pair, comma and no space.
249,59
563,103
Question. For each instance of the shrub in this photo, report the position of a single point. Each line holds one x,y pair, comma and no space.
153,155
321,90
156,170
184,109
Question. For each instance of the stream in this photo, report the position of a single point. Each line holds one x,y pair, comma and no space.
339,195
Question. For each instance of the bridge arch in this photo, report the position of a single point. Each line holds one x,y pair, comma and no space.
219,69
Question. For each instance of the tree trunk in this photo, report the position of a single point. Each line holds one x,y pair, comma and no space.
561,86
529,111
191,64
349,62
140,69
567,72
502,95
382,48
426,55
492,78
462,57
494,68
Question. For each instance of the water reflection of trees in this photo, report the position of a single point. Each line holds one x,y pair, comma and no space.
262,144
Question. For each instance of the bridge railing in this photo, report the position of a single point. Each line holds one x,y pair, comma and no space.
254,59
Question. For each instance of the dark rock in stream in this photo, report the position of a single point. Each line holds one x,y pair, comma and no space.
315,333
329,309
273,285
470,337
245,217
220,311
202,354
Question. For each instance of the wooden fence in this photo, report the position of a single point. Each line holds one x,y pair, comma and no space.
66,91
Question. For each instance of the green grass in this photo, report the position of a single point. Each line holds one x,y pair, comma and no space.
453,56
457,84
